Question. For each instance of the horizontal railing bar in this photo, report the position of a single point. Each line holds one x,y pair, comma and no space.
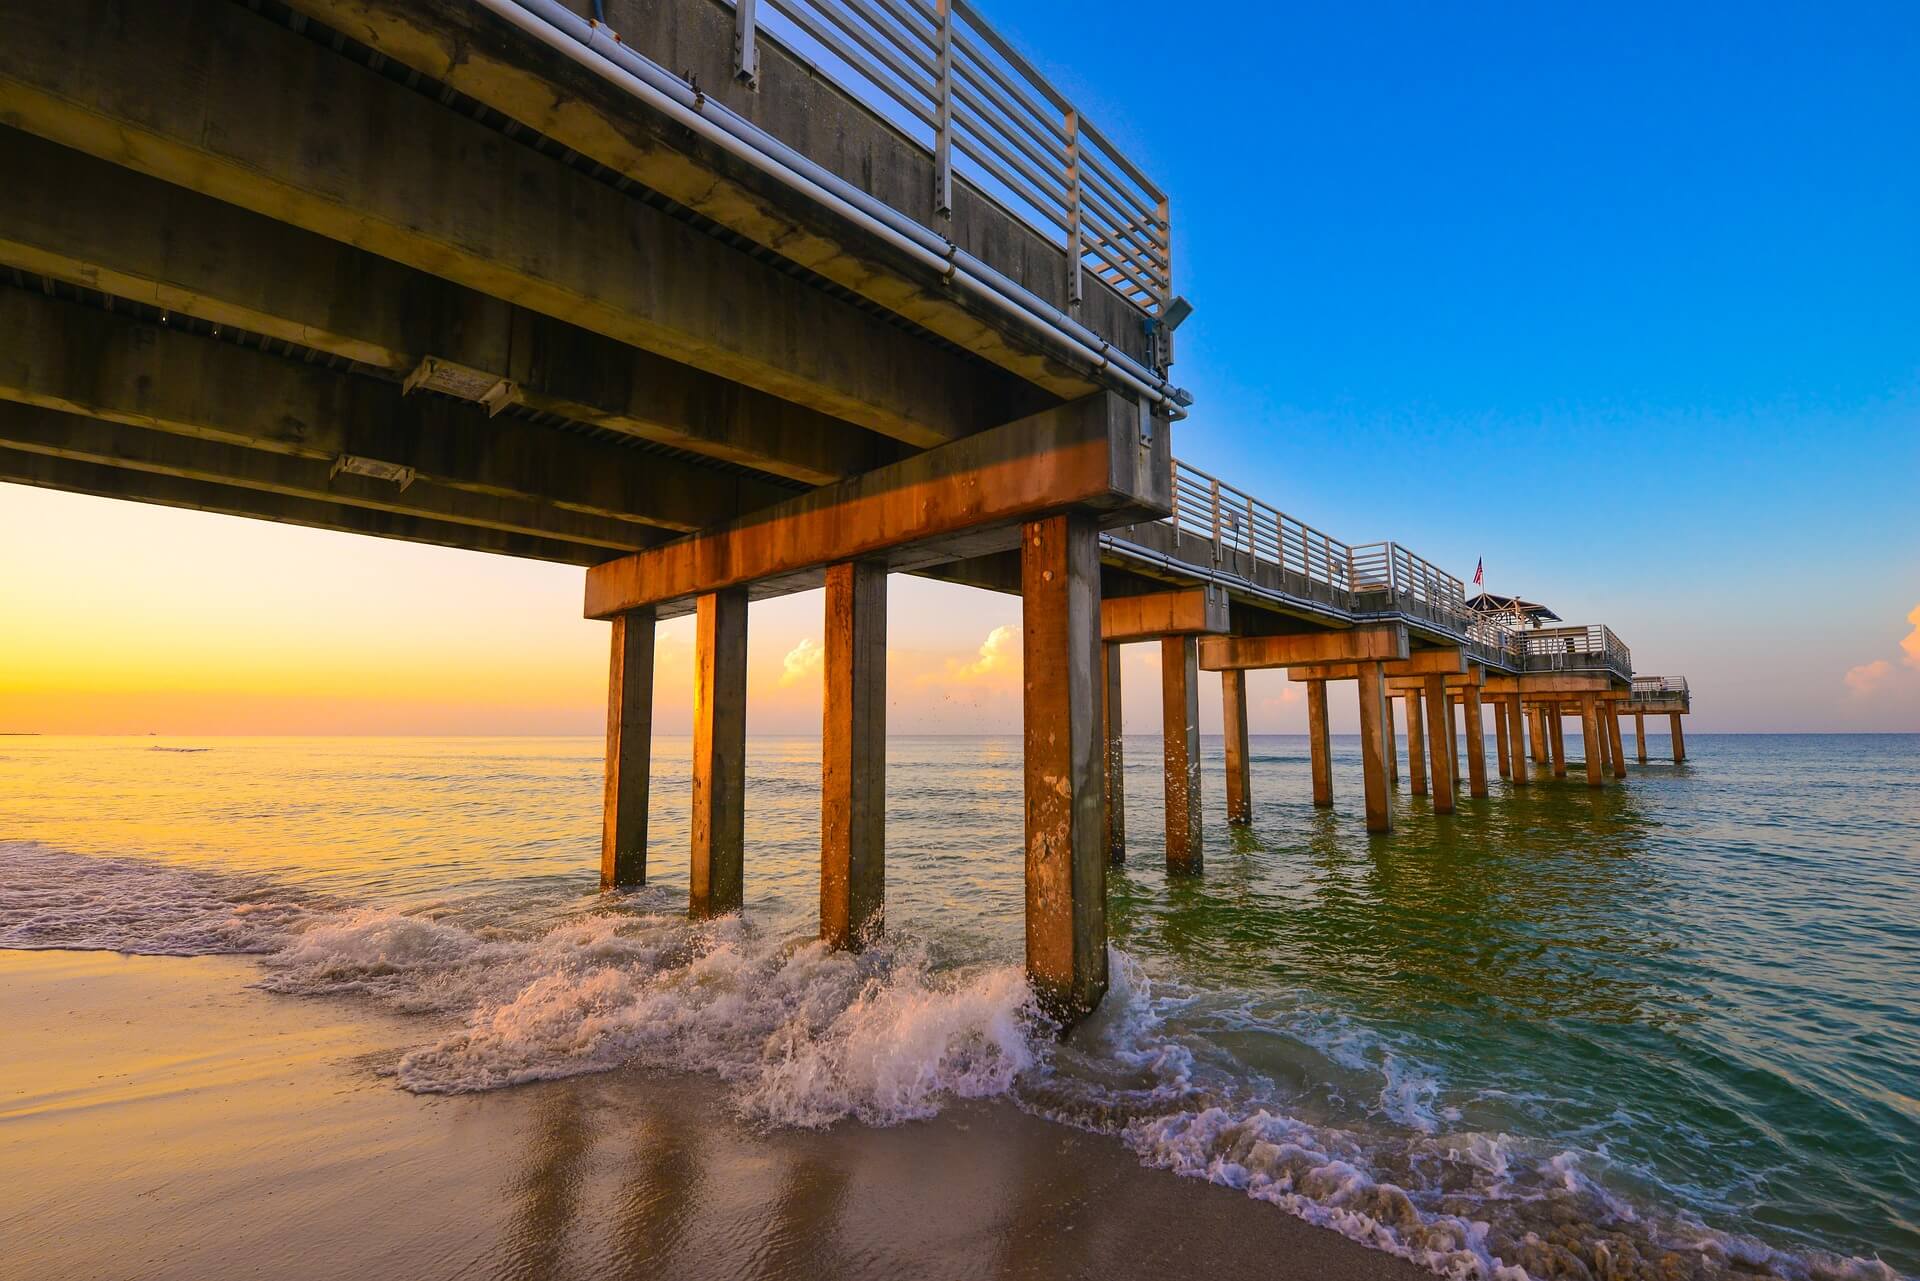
799,15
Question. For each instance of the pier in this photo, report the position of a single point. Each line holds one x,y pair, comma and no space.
764,298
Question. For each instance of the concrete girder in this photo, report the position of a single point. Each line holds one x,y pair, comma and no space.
962,499
1359,644
31,429
341,151
73,477
1185,613
82,360
479,55
99,226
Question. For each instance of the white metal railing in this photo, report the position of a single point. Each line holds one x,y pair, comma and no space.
1391,568
947,78
1573,647
1659,686
1235,521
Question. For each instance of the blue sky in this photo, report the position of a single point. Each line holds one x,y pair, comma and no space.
1624,299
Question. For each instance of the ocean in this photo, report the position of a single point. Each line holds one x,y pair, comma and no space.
1670,1026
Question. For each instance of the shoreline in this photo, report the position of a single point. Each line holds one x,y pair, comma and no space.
219,1131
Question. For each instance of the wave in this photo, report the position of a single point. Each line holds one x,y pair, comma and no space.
809,1037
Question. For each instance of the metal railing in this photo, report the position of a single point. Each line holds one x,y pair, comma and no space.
1235,521
1571,648
947,78
1235,524
1659,687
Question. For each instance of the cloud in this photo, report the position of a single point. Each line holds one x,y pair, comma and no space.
1867,676
997,656
802,661
1911,641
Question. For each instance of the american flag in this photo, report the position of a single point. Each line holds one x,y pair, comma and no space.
1480,572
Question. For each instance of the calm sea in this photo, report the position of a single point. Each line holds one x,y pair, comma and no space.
1673,1023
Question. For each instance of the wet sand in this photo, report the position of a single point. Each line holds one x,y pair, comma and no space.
160,1119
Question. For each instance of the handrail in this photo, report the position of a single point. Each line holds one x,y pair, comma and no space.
941,74
1235,521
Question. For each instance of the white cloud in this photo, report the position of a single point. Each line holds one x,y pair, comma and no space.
1911,641
998,655
802,661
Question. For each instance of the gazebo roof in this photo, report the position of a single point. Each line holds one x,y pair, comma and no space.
1488,603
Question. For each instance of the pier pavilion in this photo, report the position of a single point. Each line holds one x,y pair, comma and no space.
717,300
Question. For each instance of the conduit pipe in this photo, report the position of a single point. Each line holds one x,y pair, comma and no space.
595,47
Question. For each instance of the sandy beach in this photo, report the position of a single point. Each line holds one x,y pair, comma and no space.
161,1119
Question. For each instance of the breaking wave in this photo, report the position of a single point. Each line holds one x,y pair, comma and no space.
805,1036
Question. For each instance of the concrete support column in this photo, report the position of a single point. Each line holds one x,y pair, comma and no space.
1542,746
1375,746
1679,739
716,879
1180,736
1233,723
1640,736
853,756
1476,741
1066,861
1439,746
1556,737
1615,752
1593,745
1453,742
1393,747
1115,753
1606,748
623,819
1319,744
1518,748
1416,746
1500,737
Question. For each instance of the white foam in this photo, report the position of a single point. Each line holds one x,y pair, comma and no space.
52,899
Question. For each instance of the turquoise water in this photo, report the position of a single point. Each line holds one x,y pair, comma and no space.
1674,1022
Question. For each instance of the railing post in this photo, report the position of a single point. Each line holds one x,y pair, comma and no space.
1075,248
746,54
1163,218
1215,489
943,111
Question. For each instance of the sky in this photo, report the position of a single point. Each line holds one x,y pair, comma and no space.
1623,301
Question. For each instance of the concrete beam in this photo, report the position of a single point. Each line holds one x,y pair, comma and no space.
1469,680
1184,613
99,226
1546,685
1421,662
73,477
355,156
1450,663
1358,644
83,360
476,53
1086,455
42,431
